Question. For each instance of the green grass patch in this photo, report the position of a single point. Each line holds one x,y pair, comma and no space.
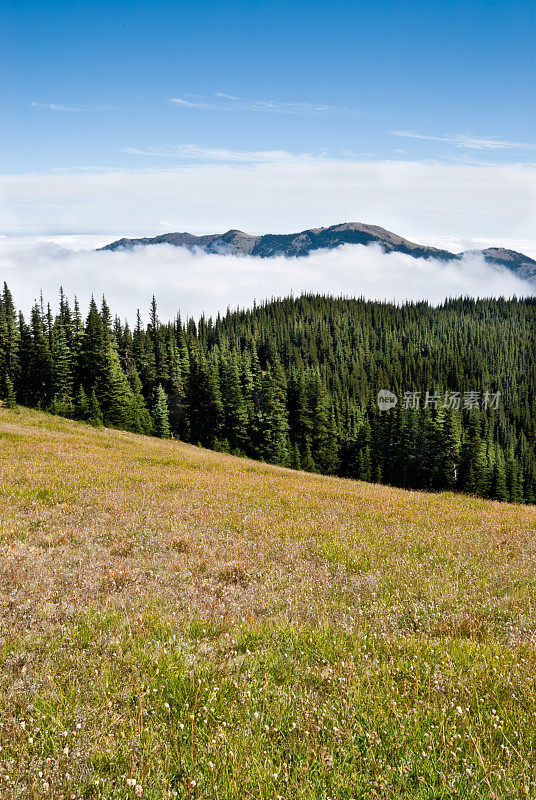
235,711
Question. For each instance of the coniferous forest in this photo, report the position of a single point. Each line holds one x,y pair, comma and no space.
295,381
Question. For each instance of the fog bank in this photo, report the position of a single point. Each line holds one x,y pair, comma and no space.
195,283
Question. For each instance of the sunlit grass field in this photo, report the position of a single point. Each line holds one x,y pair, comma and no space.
181,623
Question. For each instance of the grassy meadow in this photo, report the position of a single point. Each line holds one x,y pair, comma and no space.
179,623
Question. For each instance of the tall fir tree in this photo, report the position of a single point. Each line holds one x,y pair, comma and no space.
204,400
161,414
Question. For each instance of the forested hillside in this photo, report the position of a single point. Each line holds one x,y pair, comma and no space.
294,382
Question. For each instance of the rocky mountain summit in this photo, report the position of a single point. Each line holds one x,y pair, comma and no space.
235,242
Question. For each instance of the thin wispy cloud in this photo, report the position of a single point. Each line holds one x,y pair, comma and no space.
55,107
469,141
192,151
88,168
296,109
226,96
180,101
221,101
98,106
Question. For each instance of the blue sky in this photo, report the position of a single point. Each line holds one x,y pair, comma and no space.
136,87
88,81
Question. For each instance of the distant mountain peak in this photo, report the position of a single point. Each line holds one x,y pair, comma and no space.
237,242
523,266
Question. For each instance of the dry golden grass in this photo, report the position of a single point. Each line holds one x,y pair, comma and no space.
222,555
100,516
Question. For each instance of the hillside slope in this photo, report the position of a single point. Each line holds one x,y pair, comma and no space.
186,620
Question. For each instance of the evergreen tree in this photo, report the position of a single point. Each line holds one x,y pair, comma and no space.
140,420
300,423
274,420
39,378
295,458
10,399
62,377
307,461
498,488
514,479
235,415
117,395
157,346
94,347
9,337
406,452
204,400
251,382
161,415
324,440
94,415
82,405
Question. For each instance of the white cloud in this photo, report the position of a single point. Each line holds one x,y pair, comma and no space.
459,244
192,151
416,200
226,96
197,282
55,107
89,168
468,141
296,109
179,101
300,109
98,106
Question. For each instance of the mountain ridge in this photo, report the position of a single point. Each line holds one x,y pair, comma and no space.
236,242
